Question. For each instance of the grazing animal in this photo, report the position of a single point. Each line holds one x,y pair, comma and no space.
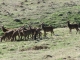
26,33
32,31
73,26
4,29
37,33
47,29
20,34
15,34
7,35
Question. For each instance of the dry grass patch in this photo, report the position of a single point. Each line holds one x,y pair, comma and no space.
35,48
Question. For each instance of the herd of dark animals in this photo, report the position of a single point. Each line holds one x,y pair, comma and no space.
27,33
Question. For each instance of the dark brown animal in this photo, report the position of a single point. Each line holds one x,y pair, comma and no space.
18,32
26,33
7,35
15,34
37,33
4,29
73,26
47,29
32,31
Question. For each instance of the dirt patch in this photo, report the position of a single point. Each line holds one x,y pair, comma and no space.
47,56
39,47
35,48
68,58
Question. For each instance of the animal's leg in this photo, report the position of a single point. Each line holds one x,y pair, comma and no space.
77,30
15,38
25,37
28,36
39,34
20,37
35,37
45,34
32,35
70,30
51,33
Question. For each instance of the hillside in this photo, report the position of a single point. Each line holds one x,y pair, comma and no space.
54,12
61,46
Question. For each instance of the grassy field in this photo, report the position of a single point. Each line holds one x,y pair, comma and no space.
52,12
61,46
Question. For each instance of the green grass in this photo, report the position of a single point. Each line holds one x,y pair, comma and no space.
53,12
61,45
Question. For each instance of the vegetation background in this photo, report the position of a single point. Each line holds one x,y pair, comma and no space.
62,45
52,12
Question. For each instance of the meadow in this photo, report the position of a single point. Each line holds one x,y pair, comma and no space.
34,12
61,46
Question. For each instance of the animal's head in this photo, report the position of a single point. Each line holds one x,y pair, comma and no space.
2,26
68,21
43,24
